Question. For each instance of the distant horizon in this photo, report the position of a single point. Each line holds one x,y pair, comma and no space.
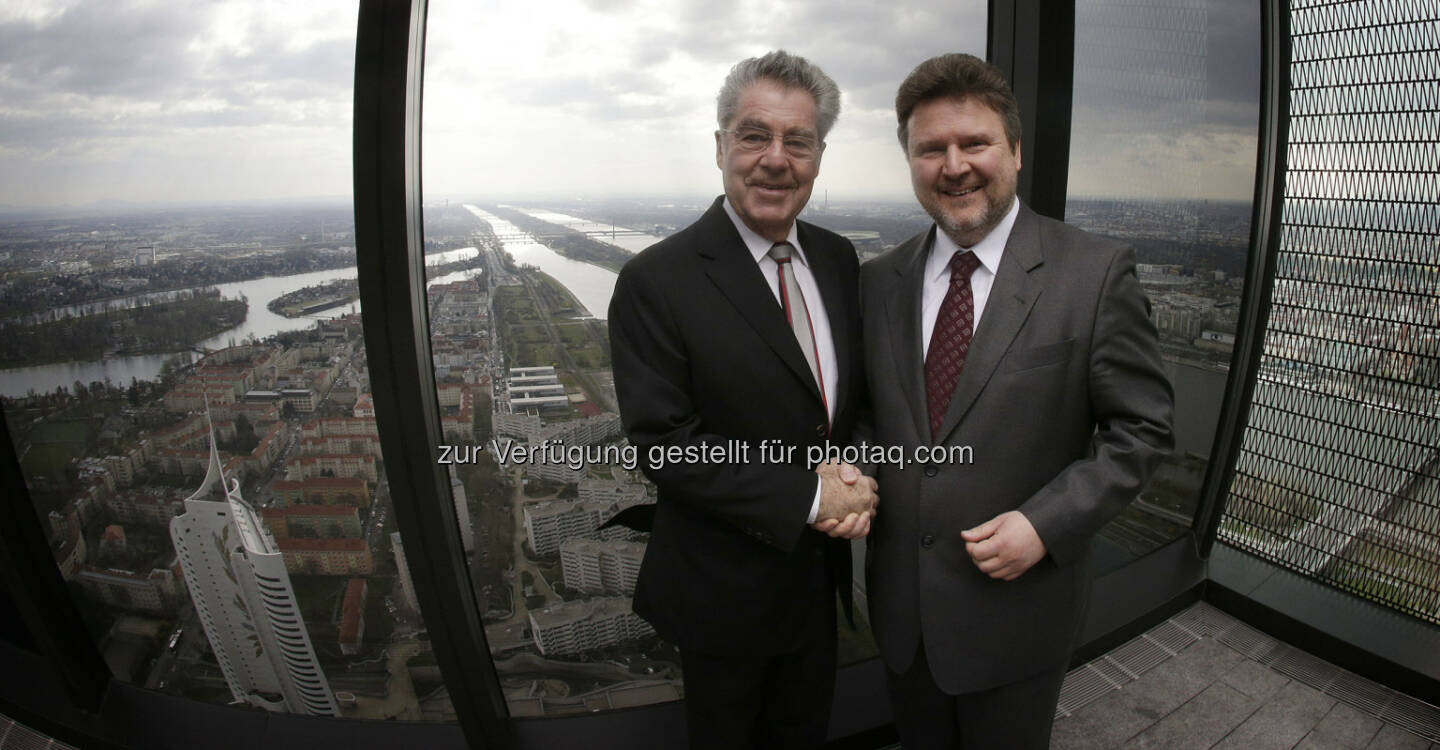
120,207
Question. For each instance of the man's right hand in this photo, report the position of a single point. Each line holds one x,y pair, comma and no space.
855,526
847,501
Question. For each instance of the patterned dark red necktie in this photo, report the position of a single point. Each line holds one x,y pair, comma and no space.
950,339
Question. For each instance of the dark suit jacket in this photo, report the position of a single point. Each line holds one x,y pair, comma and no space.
702,354
1066,408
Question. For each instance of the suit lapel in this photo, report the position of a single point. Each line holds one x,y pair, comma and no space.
737,276
903,310
1012,296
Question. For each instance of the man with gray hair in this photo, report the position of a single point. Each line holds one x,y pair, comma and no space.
735,348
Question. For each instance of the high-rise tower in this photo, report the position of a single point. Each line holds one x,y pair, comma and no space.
243,597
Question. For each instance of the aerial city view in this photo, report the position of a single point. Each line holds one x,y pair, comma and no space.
165,364
184,373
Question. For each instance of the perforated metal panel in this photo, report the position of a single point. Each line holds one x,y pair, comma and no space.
15,736
1339,472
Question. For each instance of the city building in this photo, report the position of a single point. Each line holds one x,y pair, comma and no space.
322,491
352,616
576,627
327,557
402,567
340,465
538,389
152,505
597,567
155,593
549,523
237,579
462,511
518,426
623,494
364,407
313,521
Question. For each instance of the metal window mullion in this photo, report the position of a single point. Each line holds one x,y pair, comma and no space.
29,573
1033,42
1266,225
389,255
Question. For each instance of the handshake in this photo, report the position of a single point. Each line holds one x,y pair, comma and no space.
847,501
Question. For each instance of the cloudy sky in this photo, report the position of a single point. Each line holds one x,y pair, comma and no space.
221,101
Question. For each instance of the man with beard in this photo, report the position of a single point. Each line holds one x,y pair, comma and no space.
1029,342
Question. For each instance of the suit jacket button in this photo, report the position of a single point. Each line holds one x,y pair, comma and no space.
931,471
820,430
927,541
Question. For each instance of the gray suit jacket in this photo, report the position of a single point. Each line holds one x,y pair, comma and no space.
1066,408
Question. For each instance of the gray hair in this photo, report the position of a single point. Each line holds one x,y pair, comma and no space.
791,71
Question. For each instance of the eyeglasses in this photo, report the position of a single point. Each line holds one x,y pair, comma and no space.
798,147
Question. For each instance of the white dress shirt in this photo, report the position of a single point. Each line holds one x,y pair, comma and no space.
815,304
937,273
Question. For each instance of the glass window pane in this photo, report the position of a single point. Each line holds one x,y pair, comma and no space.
179,234
1162,156
559,141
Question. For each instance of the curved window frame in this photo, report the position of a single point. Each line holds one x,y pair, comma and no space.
73,695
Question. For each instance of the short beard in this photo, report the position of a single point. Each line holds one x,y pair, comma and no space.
961,234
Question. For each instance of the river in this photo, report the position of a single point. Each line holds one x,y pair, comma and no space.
259,322
627,239
592,285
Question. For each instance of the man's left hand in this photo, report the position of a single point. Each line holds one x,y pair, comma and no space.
1005,546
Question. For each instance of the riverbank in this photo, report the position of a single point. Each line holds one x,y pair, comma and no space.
155,329
568,242
313,299
37,296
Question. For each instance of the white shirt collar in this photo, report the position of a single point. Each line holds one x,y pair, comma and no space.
759,246
988,250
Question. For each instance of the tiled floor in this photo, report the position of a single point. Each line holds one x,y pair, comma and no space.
1205,680
1199,680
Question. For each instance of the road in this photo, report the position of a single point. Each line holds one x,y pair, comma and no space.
400,701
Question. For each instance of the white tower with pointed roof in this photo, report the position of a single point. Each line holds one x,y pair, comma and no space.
242,594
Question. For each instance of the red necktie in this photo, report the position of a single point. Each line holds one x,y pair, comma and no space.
950,339
793,300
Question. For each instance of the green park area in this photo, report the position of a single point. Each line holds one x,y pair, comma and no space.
53,444
529,330
524,334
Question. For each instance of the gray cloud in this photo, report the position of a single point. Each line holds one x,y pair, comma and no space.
109,75
1166,98
611,96
866,47
101,49
1233,48
110,70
